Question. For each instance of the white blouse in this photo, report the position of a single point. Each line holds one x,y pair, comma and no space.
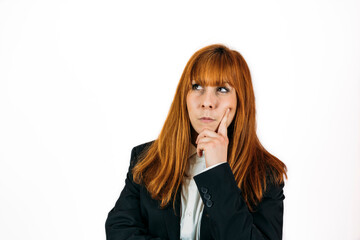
191,203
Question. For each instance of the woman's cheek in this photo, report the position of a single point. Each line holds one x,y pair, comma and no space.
231,115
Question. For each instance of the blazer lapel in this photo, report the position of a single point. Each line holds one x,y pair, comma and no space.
172,218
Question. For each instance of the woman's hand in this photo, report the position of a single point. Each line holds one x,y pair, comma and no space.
214,144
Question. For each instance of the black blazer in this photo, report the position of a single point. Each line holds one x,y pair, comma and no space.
225,216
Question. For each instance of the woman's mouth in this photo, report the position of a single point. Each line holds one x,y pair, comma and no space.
207,120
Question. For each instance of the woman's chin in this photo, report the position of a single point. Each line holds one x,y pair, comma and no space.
211,128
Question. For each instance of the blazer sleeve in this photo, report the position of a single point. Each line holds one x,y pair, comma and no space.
125,221
229,215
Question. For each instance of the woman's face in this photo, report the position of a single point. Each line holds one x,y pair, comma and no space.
207,105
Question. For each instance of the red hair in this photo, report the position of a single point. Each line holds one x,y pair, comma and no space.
162,167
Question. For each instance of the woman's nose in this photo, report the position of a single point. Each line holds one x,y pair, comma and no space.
208,100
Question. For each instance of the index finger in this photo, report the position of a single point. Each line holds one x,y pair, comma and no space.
222,126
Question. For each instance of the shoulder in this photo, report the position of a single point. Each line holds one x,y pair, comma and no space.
274,190
273,194
138,150
274,185
275,182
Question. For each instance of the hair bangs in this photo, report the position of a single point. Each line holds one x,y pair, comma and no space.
214,69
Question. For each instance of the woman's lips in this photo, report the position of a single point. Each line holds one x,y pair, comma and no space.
207,120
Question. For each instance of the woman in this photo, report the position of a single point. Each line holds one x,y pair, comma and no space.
207,176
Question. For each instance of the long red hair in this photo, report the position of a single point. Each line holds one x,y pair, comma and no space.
162,167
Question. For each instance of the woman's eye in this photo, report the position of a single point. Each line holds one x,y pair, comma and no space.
196,87
223,89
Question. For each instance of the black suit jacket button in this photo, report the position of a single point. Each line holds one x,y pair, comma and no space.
209,203
204,189
207,196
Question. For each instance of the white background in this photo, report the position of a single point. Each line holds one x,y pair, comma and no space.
82,82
